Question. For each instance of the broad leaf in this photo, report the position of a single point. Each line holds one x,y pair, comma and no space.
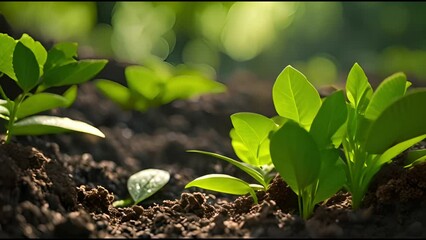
388,91
73,73
6,55
145,183
115,92
26,67
358,89
253,129
188,86
330,117
295,97
253,173
332,175
38,50
223,183
40,102
60,54
38,125
295,156
402,120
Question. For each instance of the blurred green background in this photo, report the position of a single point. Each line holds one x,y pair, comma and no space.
321,39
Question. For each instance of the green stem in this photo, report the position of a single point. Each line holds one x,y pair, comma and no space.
12,116
3,94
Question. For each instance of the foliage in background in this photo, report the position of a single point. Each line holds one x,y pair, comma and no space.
157,84
35,70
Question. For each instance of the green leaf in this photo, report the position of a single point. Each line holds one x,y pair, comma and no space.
26,67
38,50
38,125
145,183
144,81
415,157
402,120
4,111
295,97
358,89
61,54
330,117
115,92
295,156
73,73
222,183
70,94
40,102
388,91
250,171
6,55
332,175
188,86
253,129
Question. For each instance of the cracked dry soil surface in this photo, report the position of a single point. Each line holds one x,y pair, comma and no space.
64,185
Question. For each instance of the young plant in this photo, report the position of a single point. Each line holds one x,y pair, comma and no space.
35,70
380,126
305,149
250,141
142,185
157,84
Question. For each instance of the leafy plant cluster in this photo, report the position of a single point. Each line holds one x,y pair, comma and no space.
35,70
319,146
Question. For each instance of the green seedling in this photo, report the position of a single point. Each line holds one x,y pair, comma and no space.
250,141
157,84
380,126
142,185
305,149
35,70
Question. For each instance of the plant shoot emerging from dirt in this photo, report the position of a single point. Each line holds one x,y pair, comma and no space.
142,185
250,140
156,84
35,70
380,126
304,150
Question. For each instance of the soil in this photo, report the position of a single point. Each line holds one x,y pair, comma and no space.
64,185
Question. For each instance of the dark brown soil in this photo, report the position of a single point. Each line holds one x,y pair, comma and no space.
64,185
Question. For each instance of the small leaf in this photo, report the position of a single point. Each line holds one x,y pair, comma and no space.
38,50
402,120
145,183
26,67
415,157
4,110
115,92
70,94
222,183
7,44
358,89
38,125
40,102
330,117
250,171
295,156
253,129
295,97
388,91
73,73
60,54
188,86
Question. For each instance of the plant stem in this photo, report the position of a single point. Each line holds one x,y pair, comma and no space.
3,94
12,116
